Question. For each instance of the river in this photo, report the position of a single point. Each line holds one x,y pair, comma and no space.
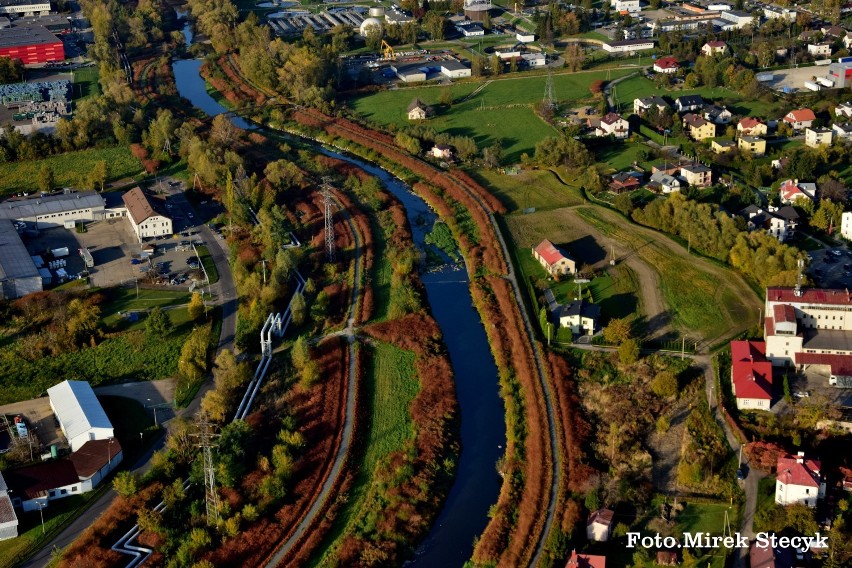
483,430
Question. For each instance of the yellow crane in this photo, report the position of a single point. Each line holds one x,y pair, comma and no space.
387,51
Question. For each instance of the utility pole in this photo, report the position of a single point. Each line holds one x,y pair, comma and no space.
263,262
682,346
206,445
329,222
549,99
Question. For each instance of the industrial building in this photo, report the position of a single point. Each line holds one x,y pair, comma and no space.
50,211
81,417
31,43
23,8
145,219
8,518
18,273
454,69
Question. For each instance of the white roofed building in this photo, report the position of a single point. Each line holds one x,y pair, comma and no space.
8,518
81,417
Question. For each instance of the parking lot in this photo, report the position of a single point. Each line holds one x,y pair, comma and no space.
38,417
831,268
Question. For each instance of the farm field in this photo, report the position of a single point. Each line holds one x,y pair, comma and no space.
507,115
390,384
675,290
69,169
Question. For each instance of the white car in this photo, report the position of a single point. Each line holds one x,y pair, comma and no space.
802,394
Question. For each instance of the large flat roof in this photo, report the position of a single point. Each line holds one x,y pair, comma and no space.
31,34
15,261
77,408
60,203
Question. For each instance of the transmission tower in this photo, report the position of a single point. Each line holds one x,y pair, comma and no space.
329,222
206,444
549,99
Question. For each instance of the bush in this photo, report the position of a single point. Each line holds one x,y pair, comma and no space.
664,384
628,353
125,484
663,425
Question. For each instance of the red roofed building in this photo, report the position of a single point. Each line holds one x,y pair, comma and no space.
716,47
613,123
553,260
585,561
751,375
791,190
752,127
666,65
798,480
800,118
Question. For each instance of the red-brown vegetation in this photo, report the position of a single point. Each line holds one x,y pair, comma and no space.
764,455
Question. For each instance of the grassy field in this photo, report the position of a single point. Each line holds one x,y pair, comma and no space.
390,386
69,169
621,156
538,189
86,83
125,299
507,115
209,265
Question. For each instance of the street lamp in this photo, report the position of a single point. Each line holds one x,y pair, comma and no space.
109,451
41,514
154,406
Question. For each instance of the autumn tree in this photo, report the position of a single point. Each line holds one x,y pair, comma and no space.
125,483
628,352
46,181
298,309
617,331
196,307
97,176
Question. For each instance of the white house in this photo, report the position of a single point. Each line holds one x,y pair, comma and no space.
800,118
441,151
582,317
791,191
689,103
667,183
8,518
667,65
715,47
751,375
615,125
842,131
820,49
641,106
816,137
81,417
553,260
631,6
846,225
798,480
145,220
599,525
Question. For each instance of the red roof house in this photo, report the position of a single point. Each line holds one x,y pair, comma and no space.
585,561
751,375
790,190
666,65
752,127
800,118
553,260
798,480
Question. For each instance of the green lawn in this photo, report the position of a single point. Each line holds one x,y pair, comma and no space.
500,111
126,299
86,83
620,156
69,169
537,189
209,265
391,383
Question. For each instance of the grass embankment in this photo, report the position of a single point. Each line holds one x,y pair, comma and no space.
69,169
389,387
502,111
207,262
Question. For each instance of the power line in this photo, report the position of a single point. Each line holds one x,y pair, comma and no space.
329,221
206,436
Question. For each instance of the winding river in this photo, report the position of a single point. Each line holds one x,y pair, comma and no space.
483,430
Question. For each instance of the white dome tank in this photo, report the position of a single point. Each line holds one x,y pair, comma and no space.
377,13
368,24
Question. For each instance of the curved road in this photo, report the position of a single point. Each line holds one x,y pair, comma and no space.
348,420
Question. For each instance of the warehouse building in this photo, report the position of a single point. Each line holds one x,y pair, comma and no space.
31,43
81,417
145,219
454,69
51,211
18,272
24,8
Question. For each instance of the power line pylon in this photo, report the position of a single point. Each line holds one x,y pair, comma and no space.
206,444
329,222
549,99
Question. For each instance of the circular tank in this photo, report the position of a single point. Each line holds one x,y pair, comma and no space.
475,10
377,12
368,24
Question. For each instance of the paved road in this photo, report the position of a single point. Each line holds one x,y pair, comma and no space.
348,421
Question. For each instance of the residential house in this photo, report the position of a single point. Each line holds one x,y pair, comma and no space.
754,145
714,48
418,110
79,414
842,131
800,118
631,6
697,175
146,215
613,124
790,191
442,152
582,317
833,32
781,223
843,110
717,114
553,259
666,167
821,49
624,181
667,65
689,103
722,146
8,518
599,525
663,182
816,137
798,480
752,127
641,106
697,127
585,561
751,375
